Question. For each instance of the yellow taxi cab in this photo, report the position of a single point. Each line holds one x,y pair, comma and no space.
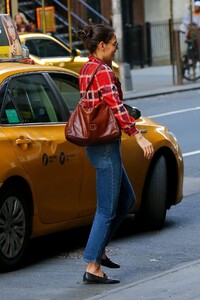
46,183
46,50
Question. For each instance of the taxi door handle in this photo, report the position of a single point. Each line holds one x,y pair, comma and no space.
22,141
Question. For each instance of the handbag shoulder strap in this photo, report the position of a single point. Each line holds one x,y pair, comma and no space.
91,79
92,76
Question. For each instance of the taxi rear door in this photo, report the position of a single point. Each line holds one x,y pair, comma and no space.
32,119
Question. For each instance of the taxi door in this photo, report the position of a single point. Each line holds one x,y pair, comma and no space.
71,96
32,120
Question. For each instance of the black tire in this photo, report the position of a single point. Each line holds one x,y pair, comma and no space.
189,73
14,228
154,206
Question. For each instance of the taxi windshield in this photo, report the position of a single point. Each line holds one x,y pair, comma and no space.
44,48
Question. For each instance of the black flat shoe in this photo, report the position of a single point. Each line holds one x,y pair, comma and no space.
91,278
109,263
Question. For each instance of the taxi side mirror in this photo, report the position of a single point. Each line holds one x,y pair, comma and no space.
75,52
133,111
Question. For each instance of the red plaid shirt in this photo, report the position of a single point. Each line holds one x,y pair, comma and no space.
105,86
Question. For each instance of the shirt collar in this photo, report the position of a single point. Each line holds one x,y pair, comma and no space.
95,59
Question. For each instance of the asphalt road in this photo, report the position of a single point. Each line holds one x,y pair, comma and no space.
56,272
55,266
180,113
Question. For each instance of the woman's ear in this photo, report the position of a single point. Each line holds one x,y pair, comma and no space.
102,45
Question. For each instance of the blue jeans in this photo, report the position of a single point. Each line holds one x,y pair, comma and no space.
115,197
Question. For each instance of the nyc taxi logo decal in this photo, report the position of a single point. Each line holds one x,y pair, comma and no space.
61,158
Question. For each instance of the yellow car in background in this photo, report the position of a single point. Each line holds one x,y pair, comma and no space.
46,50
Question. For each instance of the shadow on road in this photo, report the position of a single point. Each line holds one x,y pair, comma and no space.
63,243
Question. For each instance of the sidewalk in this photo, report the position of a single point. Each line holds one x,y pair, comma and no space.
152,81
183,282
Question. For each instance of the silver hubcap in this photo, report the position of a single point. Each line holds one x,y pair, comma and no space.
12,227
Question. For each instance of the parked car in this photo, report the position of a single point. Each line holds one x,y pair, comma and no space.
46,183
46,50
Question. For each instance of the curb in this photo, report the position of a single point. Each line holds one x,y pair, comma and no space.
130,95
129,288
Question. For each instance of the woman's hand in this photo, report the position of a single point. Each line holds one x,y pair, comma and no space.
146,146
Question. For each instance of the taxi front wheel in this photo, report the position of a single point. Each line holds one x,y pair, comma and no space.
154,206
14,227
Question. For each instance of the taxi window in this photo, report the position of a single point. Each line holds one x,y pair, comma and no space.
68,87
46,48
29,100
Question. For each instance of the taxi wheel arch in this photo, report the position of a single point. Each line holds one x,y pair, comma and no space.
15,224
152,213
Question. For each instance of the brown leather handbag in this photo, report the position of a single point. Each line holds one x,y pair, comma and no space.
92,126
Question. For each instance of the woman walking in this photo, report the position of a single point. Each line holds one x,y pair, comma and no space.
115,195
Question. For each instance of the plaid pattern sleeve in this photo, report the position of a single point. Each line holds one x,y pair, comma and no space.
108,88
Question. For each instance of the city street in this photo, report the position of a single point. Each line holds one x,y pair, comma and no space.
48,184
55,266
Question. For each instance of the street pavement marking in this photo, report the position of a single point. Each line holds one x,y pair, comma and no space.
179,112
191,153
174,112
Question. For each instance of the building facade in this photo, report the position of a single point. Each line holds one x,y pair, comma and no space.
145,23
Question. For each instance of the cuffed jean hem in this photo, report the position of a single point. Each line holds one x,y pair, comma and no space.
92,261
